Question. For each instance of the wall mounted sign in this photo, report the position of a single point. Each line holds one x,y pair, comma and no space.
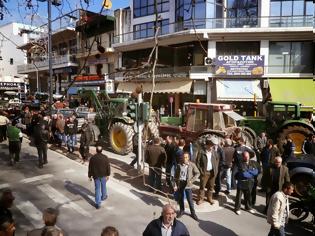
240,65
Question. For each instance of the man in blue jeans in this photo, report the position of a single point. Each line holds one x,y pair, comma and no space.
99,170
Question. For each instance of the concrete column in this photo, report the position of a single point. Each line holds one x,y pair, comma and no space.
264,7
264,50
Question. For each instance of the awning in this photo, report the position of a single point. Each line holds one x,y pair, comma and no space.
234,115
293,90
238,90
160,87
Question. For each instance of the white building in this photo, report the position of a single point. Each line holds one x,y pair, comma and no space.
12,35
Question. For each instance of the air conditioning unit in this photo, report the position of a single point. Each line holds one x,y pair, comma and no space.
208,61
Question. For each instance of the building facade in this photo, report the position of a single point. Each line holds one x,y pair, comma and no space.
231,51
11,81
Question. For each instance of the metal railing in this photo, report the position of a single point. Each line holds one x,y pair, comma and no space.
222,23
43,63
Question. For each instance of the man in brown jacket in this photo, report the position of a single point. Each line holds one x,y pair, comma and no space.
207,163
276,176
155,156
186,174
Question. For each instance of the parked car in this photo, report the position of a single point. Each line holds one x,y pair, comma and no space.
302,172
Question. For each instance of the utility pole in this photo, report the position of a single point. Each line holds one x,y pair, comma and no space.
140,161
50,57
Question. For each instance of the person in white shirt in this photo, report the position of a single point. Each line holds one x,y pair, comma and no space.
278,210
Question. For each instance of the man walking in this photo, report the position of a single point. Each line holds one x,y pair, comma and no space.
166,224
85,139
99,170
186,174
278,210
41,138
71,132
155,156
50,216
207,163
14,135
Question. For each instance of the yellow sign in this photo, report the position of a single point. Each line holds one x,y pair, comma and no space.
107,4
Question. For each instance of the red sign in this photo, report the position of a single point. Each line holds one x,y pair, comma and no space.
81,78
170,99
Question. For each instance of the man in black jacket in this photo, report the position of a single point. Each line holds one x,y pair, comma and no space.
99,170
41,138
166,224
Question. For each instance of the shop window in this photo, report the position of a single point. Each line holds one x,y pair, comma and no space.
291,57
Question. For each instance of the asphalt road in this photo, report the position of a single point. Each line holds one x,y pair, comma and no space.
63,184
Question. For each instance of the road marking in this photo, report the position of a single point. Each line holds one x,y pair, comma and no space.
119,188
62,199
69,171
30,211
4,186
36,178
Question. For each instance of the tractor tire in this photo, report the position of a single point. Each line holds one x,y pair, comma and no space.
297,134
302,183
153,130
249,137
298,213
120,138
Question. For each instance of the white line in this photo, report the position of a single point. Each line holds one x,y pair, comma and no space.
36,178
119,188
62,199
4,186
31,212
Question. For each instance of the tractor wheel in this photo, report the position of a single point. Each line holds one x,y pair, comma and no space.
301,183
120,138
153,130
249,136
297,134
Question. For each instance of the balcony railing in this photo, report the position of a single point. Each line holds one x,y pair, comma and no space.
222,23
57,62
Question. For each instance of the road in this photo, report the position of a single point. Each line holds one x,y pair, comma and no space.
63,184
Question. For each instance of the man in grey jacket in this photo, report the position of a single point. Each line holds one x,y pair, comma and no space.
186,174
278,210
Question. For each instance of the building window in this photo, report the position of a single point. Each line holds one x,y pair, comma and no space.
291,57
238,48
146,7
185,11
146,30
242,13
73,46
291,13
63,48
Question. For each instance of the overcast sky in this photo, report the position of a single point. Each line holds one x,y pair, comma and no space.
19,12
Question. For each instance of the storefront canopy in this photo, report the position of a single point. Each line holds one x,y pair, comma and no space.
160,87
293,90
236,90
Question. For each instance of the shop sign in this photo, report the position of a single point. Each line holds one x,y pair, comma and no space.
240,65
9,85
84,78
109,85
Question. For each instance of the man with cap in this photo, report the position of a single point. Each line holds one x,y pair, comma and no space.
207,163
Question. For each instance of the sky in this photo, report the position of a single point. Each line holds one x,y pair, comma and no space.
37,15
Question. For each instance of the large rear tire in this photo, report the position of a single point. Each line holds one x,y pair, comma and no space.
249,136
302,183
120,138
297,212
297,134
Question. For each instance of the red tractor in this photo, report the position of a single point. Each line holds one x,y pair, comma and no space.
201,120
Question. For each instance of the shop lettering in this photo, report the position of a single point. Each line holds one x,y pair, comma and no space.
241,58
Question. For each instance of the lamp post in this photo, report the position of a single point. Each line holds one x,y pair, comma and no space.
50,57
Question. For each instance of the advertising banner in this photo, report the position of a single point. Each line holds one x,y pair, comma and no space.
240,65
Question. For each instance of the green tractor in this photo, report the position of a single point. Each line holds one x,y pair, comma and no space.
282,119
117,120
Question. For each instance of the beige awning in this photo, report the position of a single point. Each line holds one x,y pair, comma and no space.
160,87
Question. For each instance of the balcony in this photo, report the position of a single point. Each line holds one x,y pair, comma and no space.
217,24
84,51
42,65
